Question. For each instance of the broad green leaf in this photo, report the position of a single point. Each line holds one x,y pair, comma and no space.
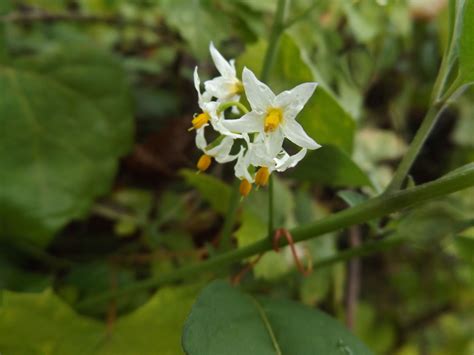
466,48
66,119
213,190
323,118
52,328
330,166
226,321
199,22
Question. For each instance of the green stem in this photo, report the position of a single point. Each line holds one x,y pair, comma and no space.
366,211
226,236
226,105
421,135
276,31
270,207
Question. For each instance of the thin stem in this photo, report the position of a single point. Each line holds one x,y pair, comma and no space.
275,34
366,211
226,236
277,29
226,105
302,15
421,135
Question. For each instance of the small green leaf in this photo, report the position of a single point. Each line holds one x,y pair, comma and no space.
226,321
213,190
330,166
68,118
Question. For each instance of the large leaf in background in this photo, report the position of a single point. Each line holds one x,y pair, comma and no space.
51,327
323,118
198,21
328,165
65,118
214,191
466,48
227,321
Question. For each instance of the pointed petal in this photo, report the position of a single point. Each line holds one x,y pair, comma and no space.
289,161
222,88
200,139
258,94
248,123
241,168
292,101
295,133
274,143
222,149
222,65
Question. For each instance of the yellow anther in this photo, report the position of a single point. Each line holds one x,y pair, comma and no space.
272,119
245,187
238,88
204,162
261,178
200,120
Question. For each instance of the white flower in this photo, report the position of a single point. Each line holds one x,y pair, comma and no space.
209,111
274,115
226,87
220,152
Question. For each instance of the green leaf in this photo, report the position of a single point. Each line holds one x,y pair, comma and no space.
52,328
330,166
213,190
199,22
68,118
466,47
323,118
226,321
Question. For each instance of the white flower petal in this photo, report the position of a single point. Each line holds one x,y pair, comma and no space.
248,123
295,133
225,68
274,142
241,168
222,88
289,161
200,139
292,101
258,94
221,150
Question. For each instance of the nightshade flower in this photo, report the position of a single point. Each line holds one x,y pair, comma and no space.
209,112
274,115
219,151
226,87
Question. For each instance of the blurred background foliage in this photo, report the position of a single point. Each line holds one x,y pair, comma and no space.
98,189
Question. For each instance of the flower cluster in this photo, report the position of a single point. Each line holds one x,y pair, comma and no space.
260,132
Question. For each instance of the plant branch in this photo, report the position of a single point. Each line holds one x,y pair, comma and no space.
414,149
364,212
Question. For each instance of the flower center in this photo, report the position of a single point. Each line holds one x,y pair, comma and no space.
261,178
204,162
272,119
245,187
200,120
238,87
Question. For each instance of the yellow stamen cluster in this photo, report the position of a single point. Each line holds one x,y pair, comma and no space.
245,187
273,119
238,88
261,178
204,162
200,120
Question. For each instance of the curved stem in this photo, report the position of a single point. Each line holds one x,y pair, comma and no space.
364,212
226,105
270,207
